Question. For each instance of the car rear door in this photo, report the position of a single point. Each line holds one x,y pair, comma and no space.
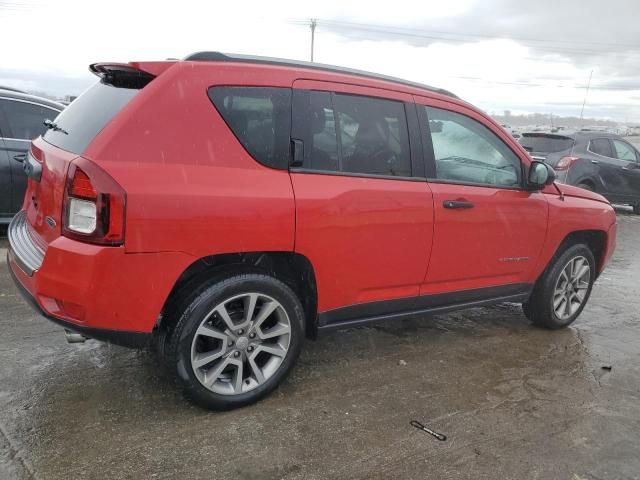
5,170
25,123
488,230
630,168
364,212
611,169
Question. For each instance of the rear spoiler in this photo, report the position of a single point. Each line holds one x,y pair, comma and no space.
129,75
556,136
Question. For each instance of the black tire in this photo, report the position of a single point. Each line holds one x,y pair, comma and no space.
539,308
192,308
586,186
636,208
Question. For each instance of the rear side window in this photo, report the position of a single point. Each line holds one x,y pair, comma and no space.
25,118
601,146
81,121
545,143
354,134
260,118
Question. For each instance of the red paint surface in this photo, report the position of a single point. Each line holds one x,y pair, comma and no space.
193,191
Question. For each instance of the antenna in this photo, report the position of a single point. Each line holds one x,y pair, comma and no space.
585,98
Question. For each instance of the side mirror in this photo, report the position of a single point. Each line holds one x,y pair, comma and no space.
540,175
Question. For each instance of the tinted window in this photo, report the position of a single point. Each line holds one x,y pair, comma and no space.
354,134
601,146
468,152
544,143
321,147
25,119
373,136
87,115
624,151
260,118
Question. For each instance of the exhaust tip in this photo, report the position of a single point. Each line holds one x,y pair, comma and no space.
73,337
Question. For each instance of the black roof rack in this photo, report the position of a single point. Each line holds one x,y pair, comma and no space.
233,57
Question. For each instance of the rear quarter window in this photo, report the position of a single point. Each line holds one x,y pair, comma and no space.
83,119
260,118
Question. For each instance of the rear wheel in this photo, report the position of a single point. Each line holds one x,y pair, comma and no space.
235,340
586,186
561,293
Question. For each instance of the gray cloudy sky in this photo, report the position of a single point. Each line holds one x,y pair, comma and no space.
521,55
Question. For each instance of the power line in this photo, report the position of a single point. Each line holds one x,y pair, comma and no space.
476,35
466,38
547,85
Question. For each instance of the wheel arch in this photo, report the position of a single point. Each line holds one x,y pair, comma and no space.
587,181
595,240
295,270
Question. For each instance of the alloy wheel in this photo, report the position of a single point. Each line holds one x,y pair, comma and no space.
240,343
571,287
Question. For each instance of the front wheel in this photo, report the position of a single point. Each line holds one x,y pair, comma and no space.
561,293
236,339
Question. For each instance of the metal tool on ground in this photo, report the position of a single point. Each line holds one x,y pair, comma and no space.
424,428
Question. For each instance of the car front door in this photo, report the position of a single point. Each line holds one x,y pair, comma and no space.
364,212
631,168
24,119
488,230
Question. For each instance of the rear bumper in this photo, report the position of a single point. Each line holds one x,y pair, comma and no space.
29,248
100,292
117,337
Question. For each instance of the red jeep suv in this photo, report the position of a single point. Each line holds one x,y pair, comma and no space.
222,208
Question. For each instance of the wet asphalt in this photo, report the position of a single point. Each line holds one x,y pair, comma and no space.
516,402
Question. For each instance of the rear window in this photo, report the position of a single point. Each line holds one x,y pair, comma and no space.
260,118
545,143
87,115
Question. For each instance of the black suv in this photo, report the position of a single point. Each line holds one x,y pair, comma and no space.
598,161
21,117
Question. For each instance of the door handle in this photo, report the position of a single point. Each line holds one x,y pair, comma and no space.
297,153
456,204
595,162
21,157
626,168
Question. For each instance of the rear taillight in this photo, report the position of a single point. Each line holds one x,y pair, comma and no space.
565,163
94,205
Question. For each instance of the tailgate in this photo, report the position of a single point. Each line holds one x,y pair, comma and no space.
45,188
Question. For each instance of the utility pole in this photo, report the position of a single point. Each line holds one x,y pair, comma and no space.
585,98
313,34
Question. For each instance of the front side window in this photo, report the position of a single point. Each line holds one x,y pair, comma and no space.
601,146
25,119
355,134
260,118
624,151
467,152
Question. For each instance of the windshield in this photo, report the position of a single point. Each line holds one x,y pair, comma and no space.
81,121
